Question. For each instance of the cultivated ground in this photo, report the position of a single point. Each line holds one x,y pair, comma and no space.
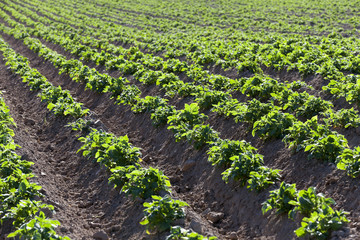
87,205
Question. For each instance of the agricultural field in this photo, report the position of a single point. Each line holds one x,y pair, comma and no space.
174,119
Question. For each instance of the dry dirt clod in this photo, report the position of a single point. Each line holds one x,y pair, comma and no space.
174,179
196,226
115,228
29,122
94,225
188,165
214,216
233,236
55,204
206,212
84,204
101,235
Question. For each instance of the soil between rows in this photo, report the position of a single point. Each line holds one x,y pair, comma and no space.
202,179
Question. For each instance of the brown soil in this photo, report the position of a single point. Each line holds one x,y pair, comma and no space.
85,203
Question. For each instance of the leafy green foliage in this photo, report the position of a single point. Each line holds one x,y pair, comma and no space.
222,151
255,110
25,210
161,212
317,139
174,65
17,193
59,101
149,104
15,188
189,115
200,135
344,118
140,182
261,87
128,95
161,114
309,201
249,49
81,125
231,108
221,83
291,101
179,233
299,132
262,178
119,174
273,125
108,149
326,147
186,124
148,77
128,67
321,222
157,106
349,160
281,199
38,228
241,167
313,106
206,99
167,81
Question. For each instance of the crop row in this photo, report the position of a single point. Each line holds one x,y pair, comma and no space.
188,17
330,57
318,139
18,196
279,127
115,153
135,65
340,85
187,124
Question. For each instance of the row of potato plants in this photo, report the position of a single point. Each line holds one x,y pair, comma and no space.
252,88
327,56
113,15
129,64
18,195
116,153
234,15
185,124
200,134
342,86
301,104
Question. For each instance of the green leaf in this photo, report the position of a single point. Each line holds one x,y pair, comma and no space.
300,232
145,221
